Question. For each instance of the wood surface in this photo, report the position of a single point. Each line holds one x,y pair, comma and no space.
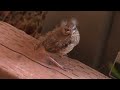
18,59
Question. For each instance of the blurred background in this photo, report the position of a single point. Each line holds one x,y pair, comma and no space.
99,32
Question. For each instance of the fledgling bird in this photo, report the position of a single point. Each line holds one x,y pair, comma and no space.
62,39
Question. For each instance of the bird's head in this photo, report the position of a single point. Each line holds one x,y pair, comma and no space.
69,26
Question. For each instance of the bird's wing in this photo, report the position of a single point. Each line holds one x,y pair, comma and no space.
53,43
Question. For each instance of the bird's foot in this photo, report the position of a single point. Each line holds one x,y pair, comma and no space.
61,56
67,69
59,65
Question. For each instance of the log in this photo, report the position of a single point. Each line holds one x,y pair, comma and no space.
19,60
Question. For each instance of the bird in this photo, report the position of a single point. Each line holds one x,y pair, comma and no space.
62,39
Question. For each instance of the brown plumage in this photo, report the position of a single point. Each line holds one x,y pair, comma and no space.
63,38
